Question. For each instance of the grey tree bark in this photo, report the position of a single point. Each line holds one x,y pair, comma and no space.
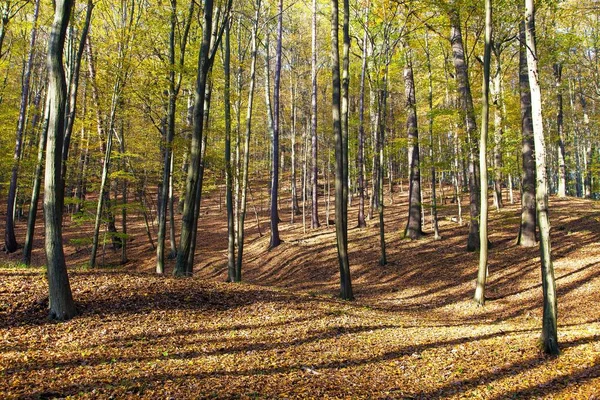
485,117
465,100
62,306
413,226
313,124
526,235
562,169
340,228
549,337
10,240
275,154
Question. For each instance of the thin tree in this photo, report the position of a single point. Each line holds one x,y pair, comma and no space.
62,306
175,78
485,117
246,157
10,240
275,239
313,123
526,236
340,228
467,110
228,169
361,126
414,223
549,337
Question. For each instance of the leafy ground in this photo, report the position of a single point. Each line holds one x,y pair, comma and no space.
412,332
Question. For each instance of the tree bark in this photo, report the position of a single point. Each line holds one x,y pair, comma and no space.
562,169
526,235
62,306
340,220
275,239
468,115
549,337
413,227
361,127
185,255
246,156
485,117
313,124
10,240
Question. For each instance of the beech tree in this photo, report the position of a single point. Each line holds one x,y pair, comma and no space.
62,306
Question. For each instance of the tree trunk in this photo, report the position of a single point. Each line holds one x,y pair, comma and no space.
340,229
562,170
246,160
413,226
468,116
549,337
10,240
434,215
361,127
313,124
228,168
526,235
485,117
35,193
62,306
275,154
498,101
185,254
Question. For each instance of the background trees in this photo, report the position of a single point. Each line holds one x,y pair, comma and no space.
147,117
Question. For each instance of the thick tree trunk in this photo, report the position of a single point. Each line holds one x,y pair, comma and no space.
61,302
485,117
526,235
413,227
340,229
10,240
465,100
549,337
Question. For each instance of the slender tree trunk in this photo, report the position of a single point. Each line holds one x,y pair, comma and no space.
62,306
73,88
526,235
361,127
185,254
246,159
562,170
340,229
549,337
414,223
35,193
275,154
498,101
10,239
434,215
122,162
485,117
295,209
468,115
313,124
228,169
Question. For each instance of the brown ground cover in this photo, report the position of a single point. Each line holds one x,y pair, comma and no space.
413,331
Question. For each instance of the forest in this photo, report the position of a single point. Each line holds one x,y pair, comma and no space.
300,199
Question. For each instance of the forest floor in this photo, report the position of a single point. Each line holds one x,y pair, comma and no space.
412,332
